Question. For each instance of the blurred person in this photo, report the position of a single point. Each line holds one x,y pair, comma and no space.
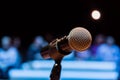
70,56
16,42
99,39
109,51
49,37
82,55
33,52
9,56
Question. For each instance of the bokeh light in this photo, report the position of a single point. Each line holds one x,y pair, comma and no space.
96,14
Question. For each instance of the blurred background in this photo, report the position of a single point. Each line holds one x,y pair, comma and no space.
26,27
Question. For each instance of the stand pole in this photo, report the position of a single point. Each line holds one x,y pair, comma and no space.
56,70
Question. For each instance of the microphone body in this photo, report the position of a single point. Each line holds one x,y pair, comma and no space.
79,39
57,49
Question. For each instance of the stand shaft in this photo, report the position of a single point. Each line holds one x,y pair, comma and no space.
56,71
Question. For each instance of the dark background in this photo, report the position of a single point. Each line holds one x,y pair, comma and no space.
28,19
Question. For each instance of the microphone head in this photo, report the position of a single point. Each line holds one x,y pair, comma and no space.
79,39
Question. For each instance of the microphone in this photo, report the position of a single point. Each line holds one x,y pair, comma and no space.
79,39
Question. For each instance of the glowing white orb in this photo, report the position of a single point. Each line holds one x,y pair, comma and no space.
96,14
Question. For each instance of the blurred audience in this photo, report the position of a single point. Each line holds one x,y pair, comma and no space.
108,51
102,49
99,39
34,49
9,57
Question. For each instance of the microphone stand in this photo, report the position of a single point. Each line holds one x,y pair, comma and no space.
57,49
56,70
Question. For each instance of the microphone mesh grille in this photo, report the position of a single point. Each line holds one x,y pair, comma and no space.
79,39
